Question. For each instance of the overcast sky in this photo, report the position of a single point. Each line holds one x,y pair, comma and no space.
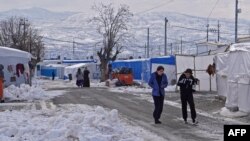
224,8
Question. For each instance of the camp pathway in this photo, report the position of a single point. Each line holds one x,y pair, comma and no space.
139,112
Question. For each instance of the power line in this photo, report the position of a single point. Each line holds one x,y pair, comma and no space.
158,6
212,9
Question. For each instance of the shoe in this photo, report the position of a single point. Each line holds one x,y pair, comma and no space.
195,122
157,122
185,122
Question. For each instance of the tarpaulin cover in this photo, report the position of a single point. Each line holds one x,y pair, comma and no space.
234,69
199,66
140,67
9,58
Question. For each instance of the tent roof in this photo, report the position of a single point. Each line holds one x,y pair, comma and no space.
170,60
240,47
131,60
10,52
77,66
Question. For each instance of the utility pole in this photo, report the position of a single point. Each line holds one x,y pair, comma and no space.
159,47
148,45
237,11
207,31
171,45
145,50
30,41
166,37
181,45
73,48
218,32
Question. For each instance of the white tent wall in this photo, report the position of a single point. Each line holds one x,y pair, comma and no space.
92,67
233,76
182,63
13,61
239,80
199,66
221,74
170,71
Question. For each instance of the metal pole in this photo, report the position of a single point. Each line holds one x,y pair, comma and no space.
207,31
73,48
218,32
171,48
181,44
166,37
148,45
236,20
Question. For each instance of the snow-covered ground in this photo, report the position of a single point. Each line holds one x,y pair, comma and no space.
69,123
29,93
138,90
39,119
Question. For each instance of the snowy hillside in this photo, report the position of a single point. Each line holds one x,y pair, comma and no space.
67,25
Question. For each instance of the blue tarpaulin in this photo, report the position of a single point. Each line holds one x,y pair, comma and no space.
142,68
48,72
168,60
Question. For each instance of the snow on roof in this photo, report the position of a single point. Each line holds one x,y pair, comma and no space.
240,47
77,66
132,60
10,52
55,65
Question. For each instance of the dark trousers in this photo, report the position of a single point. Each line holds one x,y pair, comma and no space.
158,102
188,98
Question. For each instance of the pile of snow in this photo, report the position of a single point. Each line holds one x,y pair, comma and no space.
140,90
227,113
29,93
69,123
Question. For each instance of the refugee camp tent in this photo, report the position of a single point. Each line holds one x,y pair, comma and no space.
73,62
46,70
199,65
233,75
140,67
16,65
72,70
168,62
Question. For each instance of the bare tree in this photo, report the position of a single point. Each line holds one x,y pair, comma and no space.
20,34
112,26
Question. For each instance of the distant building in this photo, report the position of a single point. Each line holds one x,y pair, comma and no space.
209,48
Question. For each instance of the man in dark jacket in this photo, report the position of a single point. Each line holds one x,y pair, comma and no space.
186,83
158,82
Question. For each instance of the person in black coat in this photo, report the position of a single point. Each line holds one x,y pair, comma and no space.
86,81
186,83
53,75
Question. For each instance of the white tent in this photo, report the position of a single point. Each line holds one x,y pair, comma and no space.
92,67
233,76
199,66
10,58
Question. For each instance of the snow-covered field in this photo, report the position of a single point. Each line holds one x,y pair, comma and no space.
69,123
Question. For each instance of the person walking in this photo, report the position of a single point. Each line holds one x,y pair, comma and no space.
1,83
86,80
53,75
186,83
79,78
158,82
